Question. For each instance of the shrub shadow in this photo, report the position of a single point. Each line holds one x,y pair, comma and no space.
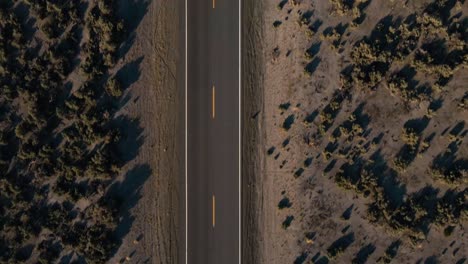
132,11
128,192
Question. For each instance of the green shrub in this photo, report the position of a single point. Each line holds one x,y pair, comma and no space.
114,88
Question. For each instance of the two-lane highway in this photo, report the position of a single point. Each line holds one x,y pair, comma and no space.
212,142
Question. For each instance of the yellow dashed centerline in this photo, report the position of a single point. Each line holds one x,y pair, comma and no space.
214,211
213,102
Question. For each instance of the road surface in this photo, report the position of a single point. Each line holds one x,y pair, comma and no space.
212,131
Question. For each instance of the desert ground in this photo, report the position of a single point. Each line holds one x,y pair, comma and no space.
354,133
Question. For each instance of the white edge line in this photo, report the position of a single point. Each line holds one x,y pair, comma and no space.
240,142
186,136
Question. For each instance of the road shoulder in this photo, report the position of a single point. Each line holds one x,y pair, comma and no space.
251,130
155,100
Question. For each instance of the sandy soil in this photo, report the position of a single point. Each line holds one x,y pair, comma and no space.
316,202
153,229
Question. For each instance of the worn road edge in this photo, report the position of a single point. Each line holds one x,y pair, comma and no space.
251,130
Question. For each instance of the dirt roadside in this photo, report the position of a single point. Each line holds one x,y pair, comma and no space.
252,133
155,99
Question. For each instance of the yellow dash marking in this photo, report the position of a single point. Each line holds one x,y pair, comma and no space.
214,211
213,103
214,4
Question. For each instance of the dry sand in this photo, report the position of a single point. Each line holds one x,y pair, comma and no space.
271,78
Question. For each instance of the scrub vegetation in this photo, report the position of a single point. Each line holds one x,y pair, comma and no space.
383,110
61,136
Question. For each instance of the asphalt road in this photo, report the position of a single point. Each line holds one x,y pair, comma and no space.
212,131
